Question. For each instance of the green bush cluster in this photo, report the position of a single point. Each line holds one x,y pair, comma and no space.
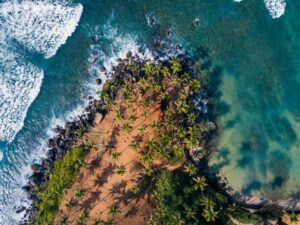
62,177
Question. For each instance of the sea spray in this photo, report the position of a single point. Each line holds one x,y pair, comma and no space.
276,8
39,27
118,47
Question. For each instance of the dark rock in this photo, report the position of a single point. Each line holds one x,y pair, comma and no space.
102,69
47,164
90,98
51,143
98,81
26,188
57,129
20,209
36,167
129,54
51,153
36,179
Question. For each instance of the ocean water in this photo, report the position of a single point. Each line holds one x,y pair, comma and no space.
51,52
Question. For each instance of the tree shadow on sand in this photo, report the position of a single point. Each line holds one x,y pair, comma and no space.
107,172
118,187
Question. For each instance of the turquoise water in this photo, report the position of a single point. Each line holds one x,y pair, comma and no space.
254,81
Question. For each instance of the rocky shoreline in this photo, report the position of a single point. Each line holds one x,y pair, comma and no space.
68,136
63,141
257,203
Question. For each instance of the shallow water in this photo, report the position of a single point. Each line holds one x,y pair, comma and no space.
256,89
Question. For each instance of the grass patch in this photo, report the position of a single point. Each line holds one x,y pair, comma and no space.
63,176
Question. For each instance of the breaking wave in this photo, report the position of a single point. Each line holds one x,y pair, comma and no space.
38,27
276,8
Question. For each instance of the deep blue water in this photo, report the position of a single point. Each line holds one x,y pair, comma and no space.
255,89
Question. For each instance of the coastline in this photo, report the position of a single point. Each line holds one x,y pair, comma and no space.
69,135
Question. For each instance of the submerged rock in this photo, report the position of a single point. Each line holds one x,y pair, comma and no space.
129,54
98,81
36,179
20,209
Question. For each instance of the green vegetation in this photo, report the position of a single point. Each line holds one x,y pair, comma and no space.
178,202
62,177
182,194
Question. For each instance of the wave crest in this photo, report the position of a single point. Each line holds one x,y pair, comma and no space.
38,27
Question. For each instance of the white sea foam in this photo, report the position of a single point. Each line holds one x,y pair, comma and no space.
117,45
20,84
39,27
276,7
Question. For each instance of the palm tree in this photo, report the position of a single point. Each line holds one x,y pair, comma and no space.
151,144
134,145
126,127
200,183
181,133
113,210
147,157
156,86
134,68
120,170
190,213
80,132
183,95
164,139
126,95
182,106
146,113
148,171
82,217
160,212
191,142
176,65
209,214
178,150
135,189
177,218
163,95
132,117
96,222
165,71
143,83
293,217
195,85
169,112
70,204
185,77
192,117
128,86
151,221
162,153
142,130
63,221
190,168
119,115
149,69
115,155
154,125
148,102
79,193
